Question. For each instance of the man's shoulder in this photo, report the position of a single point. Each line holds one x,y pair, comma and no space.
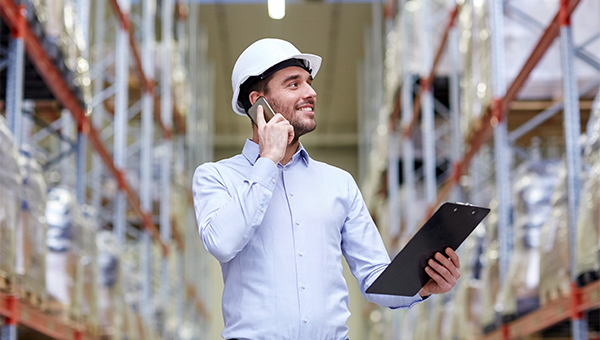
235,162
331,170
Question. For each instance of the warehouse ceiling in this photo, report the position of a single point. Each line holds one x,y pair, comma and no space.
334,31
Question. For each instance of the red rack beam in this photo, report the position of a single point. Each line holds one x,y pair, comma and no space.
33,318
549,314
57,85
482,129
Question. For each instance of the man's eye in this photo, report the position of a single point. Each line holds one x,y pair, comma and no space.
293,85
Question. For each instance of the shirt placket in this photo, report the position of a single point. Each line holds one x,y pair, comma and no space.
300,251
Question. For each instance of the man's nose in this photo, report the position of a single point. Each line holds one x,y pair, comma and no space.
310,92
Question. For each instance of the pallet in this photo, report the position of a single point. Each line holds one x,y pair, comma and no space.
7,283
34,299
554,292
587,278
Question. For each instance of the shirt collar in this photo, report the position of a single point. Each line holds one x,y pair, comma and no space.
252,152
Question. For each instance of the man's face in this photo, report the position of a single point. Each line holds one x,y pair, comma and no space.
291,94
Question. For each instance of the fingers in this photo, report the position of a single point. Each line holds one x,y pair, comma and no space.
260,117
443,270
446,265
453,257
443,285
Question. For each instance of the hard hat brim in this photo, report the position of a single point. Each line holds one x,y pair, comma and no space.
313,60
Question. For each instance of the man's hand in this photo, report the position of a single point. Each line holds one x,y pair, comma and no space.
274,136
444,273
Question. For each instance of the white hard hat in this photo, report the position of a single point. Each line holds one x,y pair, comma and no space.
261,56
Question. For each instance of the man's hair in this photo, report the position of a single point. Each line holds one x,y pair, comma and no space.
251,85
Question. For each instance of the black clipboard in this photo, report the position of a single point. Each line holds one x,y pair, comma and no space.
449,226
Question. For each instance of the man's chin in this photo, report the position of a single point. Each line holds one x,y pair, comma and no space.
303,131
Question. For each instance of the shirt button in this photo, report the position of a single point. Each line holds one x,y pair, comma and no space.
291,194
301,254
273,180
297,222
305,320
303,287
262,209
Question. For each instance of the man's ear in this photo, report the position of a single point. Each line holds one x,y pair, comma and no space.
254,95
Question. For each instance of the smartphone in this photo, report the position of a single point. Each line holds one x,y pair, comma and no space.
268,111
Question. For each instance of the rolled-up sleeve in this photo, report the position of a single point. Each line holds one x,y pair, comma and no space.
228,215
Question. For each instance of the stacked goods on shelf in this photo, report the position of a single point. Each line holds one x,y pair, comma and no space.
179,202
467,295
158,309
554,247
132,280
535,181
475,94
180,83
175,284
10,202
89,270
588,224
64,241
55,24
108,277
31,232
132,289
490,275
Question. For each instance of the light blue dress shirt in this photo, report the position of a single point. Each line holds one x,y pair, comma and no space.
280,233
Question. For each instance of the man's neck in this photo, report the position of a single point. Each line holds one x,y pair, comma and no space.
289,151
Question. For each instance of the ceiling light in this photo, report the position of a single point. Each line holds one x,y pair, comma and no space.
276,9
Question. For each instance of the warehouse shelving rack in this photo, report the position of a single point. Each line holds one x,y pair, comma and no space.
199,118
403,115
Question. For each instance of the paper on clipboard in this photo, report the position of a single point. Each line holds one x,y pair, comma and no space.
449,226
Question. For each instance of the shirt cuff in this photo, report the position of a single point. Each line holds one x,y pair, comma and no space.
264,172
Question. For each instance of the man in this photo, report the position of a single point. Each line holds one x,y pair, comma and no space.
279,221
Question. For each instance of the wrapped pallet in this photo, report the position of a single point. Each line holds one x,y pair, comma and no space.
10,202
89,270
466,311
490,276
535,181
64,242
31,232
56,24
109,251
554,248
588,224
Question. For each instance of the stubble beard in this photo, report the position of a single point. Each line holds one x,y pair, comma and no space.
300,127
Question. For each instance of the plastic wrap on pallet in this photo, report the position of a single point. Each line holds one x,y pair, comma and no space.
108,262
588,224
89,268
475,92
55,22
554,247
467,295
423,324
175,286
132,279
180,83
64,242
10,203
32,228
159,311
535,181
179,202
489,275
